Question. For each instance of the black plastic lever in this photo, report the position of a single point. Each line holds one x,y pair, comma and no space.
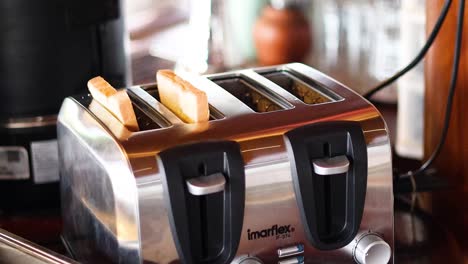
329,170
204,189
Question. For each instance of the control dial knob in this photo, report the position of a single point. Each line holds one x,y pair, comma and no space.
372,249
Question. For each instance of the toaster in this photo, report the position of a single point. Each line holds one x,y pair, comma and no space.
292,167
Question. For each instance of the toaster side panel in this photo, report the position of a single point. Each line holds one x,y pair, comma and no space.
99,197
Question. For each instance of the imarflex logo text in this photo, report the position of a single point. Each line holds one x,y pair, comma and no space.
278,231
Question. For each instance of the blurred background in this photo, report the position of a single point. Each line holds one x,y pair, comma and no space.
359,43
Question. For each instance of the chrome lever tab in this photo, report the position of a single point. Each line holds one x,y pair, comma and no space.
330,166
206,184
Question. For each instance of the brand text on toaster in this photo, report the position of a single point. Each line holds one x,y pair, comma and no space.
278,231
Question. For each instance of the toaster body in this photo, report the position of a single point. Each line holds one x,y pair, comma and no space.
292,167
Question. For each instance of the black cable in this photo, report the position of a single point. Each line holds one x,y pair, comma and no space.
448,107
418,57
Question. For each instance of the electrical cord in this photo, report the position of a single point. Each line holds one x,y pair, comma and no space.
453,81
419,56
452,88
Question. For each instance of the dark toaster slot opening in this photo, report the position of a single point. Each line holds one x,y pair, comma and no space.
144,121
307,92
147,118
154,93
254,97
215,114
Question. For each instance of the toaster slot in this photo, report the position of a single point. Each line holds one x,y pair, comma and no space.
204,188
255,97
329,170
215,114
305,90
147,118
143,119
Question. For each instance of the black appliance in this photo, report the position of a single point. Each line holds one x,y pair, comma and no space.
48,50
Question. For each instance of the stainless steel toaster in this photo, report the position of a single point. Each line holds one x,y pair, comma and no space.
292,167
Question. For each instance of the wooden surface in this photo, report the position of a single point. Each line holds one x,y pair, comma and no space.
448,207
438,69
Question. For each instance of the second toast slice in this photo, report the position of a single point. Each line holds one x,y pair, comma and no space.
187,102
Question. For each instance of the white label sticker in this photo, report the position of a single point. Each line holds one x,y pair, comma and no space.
44,155
14,163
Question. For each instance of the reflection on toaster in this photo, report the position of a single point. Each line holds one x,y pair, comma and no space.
289,167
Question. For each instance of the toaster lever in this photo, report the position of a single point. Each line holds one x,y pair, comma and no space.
204,193
330,166
206,184
329,172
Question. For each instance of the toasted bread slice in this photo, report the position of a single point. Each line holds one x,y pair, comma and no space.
187,102
117,102
116,127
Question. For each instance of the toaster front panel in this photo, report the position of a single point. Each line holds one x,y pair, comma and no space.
272,218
